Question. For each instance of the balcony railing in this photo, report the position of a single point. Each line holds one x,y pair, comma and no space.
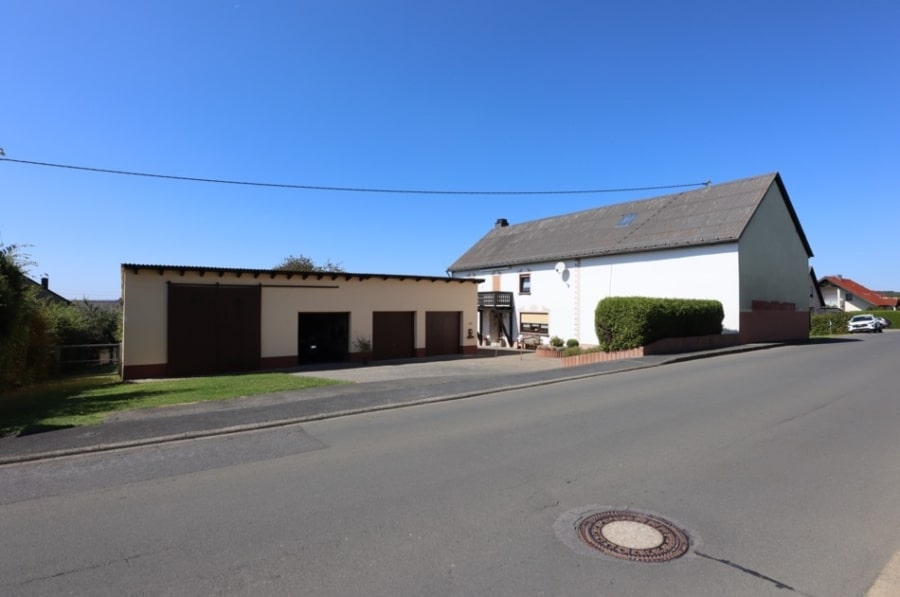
495,300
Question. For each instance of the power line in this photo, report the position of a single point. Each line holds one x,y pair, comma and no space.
306,187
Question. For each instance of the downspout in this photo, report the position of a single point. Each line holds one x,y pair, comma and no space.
576,271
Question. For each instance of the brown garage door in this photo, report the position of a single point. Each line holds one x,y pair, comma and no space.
441,333
213,329
393,335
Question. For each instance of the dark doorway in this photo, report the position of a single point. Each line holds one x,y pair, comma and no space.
213,329
442,333
393,335
323,337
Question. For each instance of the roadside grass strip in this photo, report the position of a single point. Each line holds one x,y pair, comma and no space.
79,401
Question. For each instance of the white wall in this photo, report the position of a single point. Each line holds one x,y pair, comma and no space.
774,264
144,328
281,303
837,297
709,272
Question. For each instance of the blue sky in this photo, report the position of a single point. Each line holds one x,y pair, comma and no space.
463,95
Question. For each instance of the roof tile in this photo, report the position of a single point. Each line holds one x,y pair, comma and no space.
714,214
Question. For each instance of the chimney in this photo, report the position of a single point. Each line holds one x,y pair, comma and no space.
501,223
45,282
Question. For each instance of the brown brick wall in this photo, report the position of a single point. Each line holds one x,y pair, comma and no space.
774,326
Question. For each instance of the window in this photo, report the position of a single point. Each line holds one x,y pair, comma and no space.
525,284
849,297
625,220
534,323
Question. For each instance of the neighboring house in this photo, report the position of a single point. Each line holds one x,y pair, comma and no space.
845,294
740,243
44,292
181,320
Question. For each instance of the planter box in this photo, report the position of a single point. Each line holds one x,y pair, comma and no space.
549,352
664,346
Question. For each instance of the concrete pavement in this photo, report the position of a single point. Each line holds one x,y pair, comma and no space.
378,386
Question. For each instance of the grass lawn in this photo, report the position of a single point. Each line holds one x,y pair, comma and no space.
76,401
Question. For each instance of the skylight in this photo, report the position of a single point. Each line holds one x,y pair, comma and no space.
625,220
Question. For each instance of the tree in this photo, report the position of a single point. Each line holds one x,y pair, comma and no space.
83,322
25,345
301,263
30,327
12,290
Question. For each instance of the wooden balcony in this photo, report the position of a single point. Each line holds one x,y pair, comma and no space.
495,300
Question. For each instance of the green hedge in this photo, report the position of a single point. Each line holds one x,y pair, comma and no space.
892,316
835,322
827,324
628,322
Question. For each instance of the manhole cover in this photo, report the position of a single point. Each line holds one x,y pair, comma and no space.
633,536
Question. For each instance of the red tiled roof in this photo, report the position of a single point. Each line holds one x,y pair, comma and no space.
870,296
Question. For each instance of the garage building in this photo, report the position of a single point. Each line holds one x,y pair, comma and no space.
188,320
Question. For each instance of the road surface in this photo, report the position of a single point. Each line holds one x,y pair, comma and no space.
781,466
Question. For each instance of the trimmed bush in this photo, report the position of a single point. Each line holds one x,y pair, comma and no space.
571,342
827,324
623,323
556,342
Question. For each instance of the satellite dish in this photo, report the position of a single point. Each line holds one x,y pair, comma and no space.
560,267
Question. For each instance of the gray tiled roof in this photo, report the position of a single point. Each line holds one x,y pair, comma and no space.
45,293
711,215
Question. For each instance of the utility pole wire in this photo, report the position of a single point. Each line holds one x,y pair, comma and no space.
347,189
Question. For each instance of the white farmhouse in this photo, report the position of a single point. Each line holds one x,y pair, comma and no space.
740,243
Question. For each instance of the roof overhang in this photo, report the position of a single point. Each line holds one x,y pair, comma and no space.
272,274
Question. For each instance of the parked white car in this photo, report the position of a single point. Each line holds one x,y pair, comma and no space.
864,323
885,323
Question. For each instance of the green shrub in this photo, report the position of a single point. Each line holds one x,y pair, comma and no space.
623,323
30,328
571,343
827,324
84,323
892,316
25,335
556,342
835,322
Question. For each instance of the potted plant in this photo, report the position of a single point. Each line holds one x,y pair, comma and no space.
363,348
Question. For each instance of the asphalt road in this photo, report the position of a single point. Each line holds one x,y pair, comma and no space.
781,466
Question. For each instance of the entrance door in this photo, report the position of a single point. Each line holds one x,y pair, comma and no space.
323,337
393,335
442,333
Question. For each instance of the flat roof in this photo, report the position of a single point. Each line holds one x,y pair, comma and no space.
276,273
